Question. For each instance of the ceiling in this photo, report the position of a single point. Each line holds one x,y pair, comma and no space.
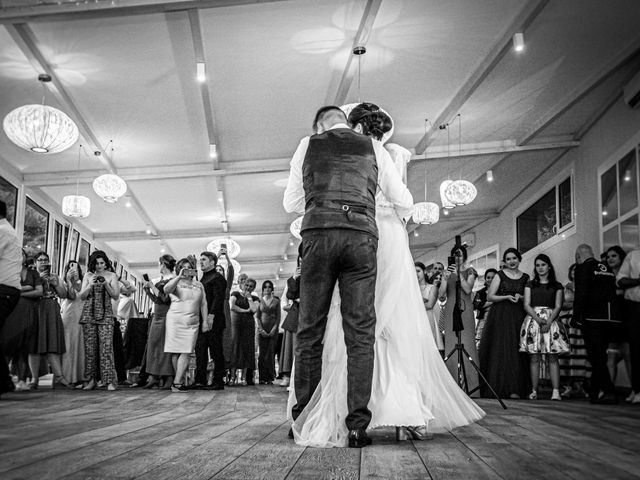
125,71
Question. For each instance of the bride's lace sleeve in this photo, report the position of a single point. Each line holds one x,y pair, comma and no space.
400,157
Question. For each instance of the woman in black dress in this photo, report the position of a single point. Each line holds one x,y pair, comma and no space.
504,367
267,323
158,363
243,307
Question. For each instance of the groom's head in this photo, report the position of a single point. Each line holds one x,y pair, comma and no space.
327,117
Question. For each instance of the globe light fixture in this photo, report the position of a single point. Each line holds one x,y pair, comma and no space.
446,203
461,192
40,128
426,213
233,249
77,206
109,187
295,227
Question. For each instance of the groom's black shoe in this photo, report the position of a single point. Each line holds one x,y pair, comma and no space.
290,434
358,438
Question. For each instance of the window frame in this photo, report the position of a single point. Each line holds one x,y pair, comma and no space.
560,233
15,200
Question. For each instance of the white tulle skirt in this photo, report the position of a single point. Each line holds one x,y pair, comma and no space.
411,384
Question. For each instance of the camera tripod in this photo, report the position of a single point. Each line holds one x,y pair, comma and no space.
458,326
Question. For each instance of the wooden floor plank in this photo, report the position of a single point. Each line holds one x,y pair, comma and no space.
387,458
327,464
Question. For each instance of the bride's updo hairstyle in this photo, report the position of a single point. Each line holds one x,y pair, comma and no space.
375,123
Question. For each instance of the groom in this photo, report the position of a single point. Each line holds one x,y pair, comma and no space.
333,180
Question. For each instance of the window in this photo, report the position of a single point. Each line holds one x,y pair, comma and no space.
36,225
482,261
58,252
83,254
549,216
9,195
619,193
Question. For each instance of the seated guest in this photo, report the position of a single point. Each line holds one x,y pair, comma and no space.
50,337
158,364
188,304
71,311
99,286
267,324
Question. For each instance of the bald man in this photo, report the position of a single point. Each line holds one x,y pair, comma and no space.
596,308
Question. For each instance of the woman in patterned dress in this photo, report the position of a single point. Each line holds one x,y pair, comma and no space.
99,286
542,332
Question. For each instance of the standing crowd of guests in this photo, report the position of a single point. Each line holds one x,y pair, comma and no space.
582,329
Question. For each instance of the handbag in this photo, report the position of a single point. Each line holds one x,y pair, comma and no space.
290,323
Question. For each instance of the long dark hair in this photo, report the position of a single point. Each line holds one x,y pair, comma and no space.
551,275
94,257
375,123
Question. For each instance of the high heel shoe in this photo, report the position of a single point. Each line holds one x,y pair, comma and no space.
402,434
57,381
90,386
152,382
419,433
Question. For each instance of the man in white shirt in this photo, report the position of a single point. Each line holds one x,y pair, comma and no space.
629,280
10,268
333,180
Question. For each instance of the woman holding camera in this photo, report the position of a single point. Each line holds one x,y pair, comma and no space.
188,303
71,310
50,338
99,286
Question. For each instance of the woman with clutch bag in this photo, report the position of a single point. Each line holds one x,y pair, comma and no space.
542,332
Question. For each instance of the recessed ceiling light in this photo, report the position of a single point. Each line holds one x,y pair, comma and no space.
201,72
518,42
213,150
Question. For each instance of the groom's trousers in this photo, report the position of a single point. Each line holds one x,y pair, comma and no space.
348,256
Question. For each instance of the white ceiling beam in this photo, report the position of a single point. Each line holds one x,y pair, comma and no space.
25,39
628,54
360,40
251,167
103,9
191,233
525,17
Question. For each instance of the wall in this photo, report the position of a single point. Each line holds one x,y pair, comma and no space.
615,133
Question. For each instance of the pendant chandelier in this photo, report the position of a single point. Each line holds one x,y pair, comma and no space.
426,213
295,227
110,187
233,248
446,203
458,192
40,128
76,206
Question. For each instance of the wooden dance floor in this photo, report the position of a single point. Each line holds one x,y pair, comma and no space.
241,433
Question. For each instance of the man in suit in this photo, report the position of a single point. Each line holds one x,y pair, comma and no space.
209,340
333,180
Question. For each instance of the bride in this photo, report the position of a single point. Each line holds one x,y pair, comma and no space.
412,388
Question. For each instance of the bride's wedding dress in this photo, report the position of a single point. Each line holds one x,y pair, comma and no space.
411,384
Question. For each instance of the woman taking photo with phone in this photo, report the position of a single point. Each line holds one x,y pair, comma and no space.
99,286
50,338
71,311
188,303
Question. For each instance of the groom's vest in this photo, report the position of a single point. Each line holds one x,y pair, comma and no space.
340,176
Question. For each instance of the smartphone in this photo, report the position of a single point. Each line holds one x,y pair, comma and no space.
189,271
45,268
451,261
146,277
223,245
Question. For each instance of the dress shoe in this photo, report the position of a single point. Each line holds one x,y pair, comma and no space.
419,433
112,387
636,399
607,399
290,434
358,438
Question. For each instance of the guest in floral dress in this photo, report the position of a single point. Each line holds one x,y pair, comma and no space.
542,332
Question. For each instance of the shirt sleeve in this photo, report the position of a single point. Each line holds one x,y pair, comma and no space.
625,269
390,182
294,194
